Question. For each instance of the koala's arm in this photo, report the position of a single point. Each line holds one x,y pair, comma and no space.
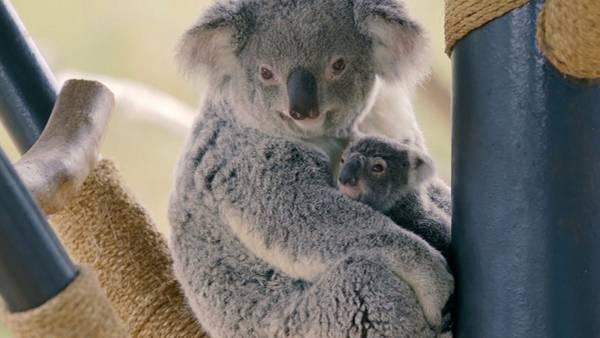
280,203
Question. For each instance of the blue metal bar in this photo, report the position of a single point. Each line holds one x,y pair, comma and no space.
33,265
526,188
27,90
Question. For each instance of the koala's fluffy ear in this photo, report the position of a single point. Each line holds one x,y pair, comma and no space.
424,166
400,47
210,45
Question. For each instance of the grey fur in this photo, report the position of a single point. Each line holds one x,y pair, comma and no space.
416,213
440,195
402,191
263,243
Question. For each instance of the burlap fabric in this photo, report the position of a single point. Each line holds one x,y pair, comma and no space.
105,227
464,16
569,35
568,30
80,310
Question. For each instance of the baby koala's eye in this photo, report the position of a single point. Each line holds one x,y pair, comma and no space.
378,168
336,69
266,73
339,66
342,160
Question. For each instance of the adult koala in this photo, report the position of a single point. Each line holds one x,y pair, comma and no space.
263,242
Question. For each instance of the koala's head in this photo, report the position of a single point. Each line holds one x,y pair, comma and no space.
304,68
379,172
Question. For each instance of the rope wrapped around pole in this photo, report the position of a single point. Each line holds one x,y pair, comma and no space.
103,226
100,223
80,310
569,35
464,16
568,31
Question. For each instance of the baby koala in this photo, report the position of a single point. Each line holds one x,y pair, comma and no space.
391,177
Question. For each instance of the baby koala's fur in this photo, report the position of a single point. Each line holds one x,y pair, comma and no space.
392,178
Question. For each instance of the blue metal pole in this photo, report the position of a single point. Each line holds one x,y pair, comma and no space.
33,265
27,90
526,188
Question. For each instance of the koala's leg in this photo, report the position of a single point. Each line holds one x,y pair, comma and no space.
359,297
239,296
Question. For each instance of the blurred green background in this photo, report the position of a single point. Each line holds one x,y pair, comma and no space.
132,43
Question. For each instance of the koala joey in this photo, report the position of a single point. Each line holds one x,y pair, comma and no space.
391,177
263,243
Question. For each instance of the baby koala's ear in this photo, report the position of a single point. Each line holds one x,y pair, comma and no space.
210,45
423,166
400,47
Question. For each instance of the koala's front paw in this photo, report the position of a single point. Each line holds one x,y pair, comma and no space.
433,287
428,275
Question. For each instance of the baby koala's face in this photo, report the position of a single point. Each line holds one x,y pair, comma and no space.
378,171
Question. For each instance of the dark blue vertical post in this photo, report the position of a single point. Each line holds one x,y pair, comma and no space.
526,188
33,265
27,90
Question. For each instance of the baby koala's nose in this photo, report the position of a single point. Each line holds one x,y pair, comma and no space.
348,175
347,179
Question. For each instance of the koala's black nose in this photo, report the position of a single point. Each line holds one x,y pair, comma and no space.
349,173
302,93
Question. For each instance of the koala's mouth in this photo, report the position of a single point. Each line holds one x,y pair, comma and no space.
358,191
314,126
363,194
354,192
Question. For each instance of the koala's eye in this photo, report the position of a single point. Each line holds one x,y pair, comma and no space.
342,160
266,74
378,168
338,66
